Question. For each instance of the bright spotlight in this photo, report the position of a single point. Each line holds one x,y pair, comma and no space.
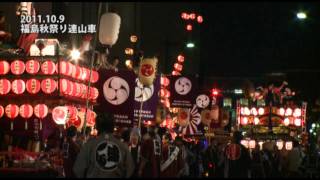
75,54
301,15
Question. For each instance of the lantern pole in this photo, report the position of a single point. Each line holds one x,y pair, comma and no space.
90,74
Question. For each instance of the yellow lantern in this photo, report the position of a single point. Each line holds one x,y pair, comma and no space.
133,38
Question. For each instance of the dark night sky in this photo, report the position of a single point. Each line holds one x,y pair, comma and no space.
237,39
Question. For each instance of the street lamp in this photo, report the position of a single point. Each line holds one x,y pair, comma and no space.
190,45
301,15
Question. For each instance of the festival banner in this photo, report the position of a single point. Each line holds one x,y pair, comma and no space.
116,91
149,97
183,90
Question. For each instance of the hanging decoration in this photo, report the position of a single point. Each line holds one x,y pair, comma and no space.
33,86
5,86
17,67
147,71
41,111
4,67
18,86
48,86
48,67
32,66
26,111
12,111
1,111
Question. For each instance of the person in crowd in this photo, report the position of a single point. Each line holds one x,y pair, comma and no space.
125,135
104,156
237,158
135,148
257,170
294,160
150,155
71,151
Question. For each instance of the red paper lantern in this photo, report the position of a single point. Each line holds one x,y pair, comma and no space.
85,74
72,113
48,86
189,27
94,93
66,86
26,111
164,81
180,58
184,15
72,68
175,73
91,116
18,86
1,111
12,111
41,111
4,67
78,72
59,115
84,90
178,67
200,19
77,90
48,67
18,67
94,76
5,86
32,66
33,86
65,68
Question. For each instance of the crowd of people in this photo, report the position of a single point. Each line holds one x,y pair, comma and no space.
153,152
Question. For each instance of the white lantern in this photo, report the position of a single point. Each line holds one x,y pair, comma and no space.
289,145
286,121
288,112
245,143
279,144
109,28
297,112
281,111
256,121
261,111
252,144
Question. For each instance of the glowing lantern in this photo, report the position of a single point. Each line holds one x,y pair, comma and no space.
48,86
244,121
286,121
77,72
261,111
5,86
246,111
281,111
254,111
41,111
12,111
64,68
91,116
288,112
177,67
72,113
33,86
59,115
26,112
18,67
297,122
48,67
245,143
289,145
84,74
65,86
279,144
94,76
297,112
200,19
252,144
4,67
175,73
192,16
18,86
256,121
184,15
84,91
180,58
1,111
32,66
164,81
189,27
260,145
133,38
147,71
129,51
77,90
94,93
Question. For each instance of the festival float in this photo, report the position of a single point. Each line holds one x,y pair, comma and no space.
272,115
